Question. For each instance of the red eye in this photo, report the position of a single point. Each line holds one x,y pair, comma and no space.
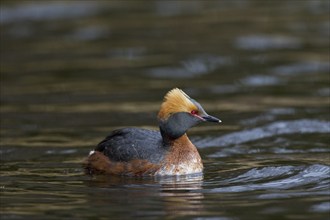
194,112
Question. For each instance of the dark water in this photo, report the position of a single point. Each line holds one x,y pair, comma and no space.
72,71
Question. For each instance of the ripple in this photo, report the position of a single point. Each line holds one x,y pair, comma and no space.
310,175
196,66
302,126
89,33
321,207
47,11
264,42
256,174
261,80
66,151
174,8
268,116
302,67
224,89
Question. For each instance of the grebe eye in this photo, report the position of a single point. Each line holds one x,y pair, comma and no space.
194,112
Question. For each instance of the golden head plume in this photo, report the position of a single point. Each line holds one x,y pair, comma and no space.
175,101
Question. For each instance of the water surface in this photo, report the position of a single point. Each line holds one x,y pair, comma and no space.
72,71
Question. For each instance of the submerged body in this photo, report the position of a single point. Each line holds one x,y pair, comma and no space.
135,151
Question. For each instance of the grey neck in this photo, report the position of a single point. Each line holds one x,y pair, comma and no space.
177,125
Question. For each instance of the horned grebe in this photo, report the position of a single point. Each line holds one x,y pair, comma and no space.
136,151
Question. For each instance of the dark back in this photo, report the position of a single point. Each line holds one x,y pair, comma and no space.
133,143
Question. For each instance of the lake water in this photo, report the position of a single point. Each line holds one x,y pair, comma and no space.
72,71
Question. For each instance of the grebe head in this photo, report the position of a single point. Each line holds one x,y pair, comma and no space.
179,112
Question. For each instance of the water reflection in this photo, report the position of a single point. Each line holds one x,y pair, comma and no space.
180,196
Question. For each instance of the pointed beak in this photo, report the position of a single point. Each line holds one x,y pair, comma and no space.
210,118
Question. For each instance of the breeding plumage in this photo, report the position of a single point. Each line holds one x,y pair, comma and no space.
136,151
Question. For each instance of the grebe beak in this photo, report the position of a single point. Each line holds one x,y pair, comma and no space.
210,118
